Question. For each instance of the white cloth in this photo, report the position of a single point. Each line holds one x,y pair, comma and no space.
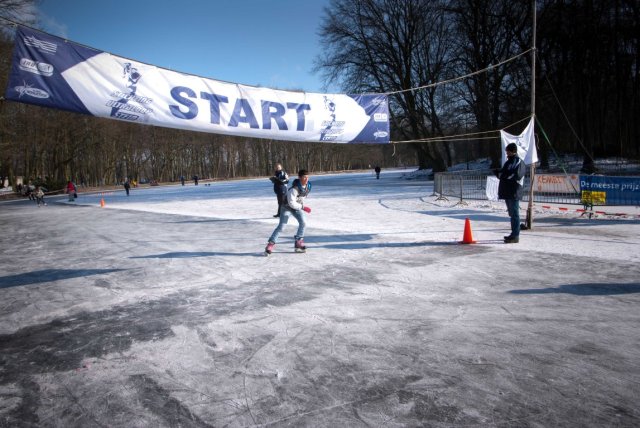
526,144
492,188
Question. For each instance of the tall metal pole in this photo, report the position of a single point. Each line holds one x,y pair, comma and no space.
529,222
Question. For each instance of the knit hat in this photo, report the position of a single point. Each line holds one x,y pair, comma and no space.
512,147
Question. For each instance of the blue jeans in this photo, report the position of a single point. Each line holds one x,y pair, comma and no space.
513,208
285,213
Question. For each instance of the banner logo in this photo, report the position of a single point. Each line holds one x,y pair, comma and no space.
35,67
380,117
331,129
380,134
120,108
30,91
41,45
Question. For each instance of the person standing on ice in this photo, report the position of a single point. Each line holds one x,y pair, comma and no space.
294,206
510,189
71,191
280,179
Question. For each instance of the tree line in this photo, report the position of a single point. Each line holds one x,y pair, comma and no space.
587,95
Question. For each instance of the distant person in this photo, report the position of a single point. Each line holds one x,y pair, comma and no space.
182,179
293,207
127,186
195,180
28,191
71,191
510,189
39,194
280,179
377,170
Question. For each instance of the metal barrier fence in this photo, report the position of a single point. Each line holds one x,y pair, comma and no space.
549,188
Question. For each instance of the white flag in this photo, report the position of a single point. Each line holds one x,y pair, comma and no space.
526,144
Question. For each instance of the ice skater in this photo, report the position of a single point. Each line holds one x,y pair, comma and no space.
71,191
39,194
280,179
510,189
294,206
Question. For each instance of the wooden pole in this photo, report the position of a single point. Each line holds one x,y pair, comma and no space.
529,221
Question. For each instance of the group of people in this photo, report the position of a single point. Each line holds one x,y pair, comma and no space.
291,201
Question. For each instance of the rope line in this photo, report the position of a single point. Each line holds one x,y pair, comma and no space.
567,119
460,77
456,137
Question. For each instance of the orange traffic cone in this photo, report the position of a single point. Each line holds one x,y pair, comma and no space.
467,238
102,202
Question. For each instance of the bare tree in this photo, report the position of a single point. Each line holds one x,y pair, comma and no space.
17,11
590,75
391,46
486,33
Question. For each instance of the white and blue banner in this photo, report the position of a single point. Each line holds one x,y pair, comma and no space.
52,72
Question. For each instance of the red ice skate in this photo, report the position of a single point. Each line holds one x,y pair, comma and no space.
299,246
269,248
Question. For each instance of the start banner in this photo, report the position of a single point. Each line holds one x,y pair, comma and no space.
53,72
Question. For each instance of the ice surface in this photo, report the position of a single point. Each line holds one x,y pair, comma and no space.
159,309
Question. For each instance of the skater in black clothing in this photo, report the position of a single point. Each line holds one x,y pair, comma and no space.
377,170
127,186
510,189
294,207
280,179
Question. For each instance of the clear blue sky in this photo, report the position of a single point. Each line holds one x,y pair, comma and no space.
270,43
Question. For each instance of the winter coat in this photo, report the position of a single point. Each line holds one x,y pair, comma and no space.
510,176
296,195
280,180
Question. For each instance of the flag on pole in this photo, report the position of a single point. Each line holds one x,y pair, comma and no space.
526,144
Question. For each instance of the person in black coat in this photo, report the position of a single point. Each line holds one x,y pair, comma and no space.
280,179
510,189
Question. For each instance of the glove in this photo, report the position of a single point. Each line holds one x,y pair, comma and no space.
307,210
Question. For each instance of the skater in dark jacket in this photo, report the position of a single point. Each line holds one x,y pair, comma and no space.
295,207
510,189
280,179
